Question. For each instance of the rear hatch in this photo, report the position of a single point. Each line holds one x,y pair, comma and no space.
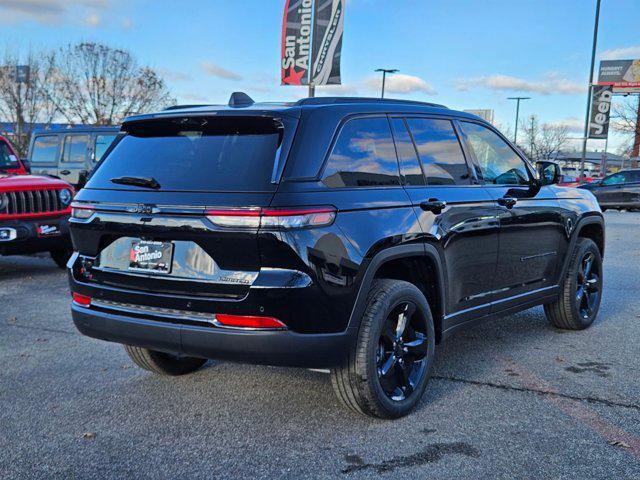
155,209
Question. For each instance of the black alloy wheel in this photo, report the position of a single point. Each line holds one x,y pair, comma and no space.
588,286
402,349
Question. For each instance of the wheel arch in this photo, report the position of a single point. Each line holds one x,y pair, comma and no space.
591,227
424,267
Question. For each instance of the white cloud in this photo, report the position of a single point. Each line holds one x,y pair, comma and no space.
550,84
624,53
46,11
572,124
217,71
400,83
173,75
346,90
126,23
92,20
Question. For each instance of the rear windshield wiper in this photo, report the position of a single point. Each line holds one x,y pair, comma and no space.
137,181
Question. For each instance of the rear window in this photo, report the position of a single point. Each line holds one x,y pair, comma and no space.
196,154
363,156
103,142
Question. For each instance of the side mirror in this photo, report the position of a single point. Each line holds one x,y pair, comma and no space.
548,173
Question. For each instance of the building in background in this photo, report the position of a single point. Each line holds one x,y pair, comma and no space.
486,114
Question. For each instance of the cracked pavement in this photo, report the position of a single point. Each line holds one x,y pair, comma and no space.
513,398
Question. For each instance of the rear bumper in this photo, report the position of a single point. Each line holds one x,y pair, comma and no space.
26,236
281,348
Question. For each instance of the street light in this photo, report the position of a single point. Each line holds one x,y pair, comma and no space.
384,76
517,99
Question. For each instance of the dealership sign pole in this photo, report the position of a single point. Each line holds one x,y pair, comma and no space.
312,43
586,121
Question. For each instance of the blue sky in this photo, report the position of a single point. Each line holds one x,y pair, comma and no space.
463,53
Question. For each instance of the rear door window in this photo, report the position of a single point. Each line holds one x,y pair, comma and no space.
203,154
440,152
363,156
75,148
45,150
410,168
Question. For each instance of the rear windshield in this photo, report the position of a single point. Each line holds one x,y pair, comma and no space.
195,154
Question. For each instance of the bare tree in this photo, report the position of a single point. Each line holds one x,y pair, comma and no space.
542,141
626,120
23,102
99,85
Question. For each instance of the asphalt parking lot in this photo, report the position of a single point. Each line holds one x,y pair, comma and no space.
510,399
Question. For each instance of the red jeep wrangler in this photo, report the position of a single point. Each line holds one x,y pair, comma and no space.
34,210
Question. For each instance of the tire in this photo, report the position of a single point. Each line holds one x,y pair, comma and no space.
359,381
567,312
61,256
163,363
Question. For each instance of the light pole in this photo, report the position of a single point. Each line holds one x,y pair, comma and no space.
586,118
384,76
517,99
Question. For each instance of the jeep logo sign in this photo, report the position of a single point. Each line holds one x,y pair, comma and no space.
600,111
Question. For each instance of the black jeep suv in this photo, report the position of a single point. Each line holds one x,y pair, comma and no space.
347,234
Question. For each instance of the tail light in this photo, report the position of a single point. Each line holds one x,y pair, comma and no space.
245,321
81,211
273,218
81,300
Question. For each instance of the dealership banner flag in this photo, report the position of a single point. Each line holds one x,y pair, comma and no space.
600,111
304,20
296,42
327,42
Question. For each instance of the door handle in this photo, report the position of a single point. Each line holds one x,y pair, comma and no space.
508,202
433,205
65,172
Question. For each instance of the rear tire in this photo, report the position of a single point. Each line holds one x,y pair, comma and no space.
61,256
579,300
387,370
163,363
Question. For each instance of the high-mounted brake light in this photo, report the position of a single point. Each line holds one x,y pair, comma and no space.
81,211
273,218
247,321
81,300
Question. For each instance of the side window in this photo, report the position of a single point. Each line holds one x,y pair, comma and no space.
410,169
615,179
45,150
440,151
632,176
363,155
7,159
103,141
499,163
75,148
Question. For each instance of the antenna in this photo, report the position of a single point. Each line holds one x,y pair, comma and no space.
240,99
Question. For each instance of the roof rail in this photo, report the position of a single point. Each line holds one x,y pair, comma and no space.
334,100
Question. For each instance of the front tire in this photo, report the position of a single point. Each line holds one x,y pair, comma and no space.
579,301
163,363
387,370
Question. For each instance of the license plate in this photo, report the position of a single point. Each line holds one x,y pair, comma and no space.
151,257
48,230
